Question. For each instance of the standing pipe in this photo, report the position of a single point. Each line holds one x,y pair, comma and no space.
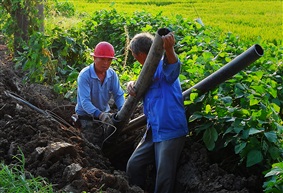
144,80
221,75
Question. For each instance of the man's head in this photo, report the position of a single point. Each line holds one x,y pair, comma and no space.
140,46
103,55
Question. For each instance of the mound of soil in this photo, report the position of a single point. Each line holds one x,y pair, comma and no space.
59,153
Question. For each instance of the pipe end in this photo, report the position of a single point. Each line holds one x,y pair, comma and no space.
258,50
163,31
117,122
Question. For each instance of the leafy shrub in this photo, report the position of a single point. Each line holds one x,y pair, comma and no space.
274,182
65,8
36,59
244,112
118,29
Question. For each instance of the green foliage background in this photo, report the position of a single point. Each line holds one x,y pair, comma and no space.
244,112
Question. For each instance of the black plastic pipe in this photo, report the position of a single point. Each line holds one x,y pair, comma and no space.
227,71
144,80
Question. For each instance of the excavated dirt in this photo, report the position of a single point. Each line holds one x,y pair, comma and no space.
60,154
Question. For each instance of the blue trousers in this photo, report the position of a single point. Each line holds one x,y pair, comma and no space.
165,154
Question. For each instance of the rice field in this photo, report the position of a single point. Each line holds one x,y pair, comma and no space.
252,20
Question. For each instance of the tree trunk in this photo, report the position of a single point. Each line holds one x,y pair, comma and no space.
21,29
40,7
27,17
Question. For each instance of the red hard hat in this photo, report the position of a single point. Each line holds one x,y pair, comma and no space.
104,50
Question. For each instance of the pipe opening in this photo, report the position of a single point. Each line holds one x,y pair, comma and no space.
258,50
163,31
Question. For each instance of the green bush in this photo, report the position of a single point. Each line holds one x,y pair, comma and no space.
65,8
274,181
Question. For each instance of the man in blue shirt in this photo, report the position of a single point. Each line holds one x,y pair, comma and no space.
166,120
97,83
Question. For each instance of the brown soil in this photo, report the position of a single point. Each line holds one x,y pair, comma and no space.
59,153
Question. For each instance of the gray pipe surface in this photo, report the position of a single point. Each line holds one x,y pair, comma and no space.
144,80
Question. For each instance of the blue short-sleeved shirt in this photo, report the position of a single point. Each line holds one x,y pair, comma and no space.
164,104
92,97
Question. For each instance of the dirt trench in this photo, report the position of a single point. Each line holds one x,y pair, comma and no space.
72,164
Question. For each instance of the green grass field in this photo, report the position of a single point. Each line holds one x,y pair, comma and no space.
246,19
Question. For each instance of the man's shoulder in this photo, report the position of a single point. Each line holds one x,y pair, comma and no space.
84,70
111,72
